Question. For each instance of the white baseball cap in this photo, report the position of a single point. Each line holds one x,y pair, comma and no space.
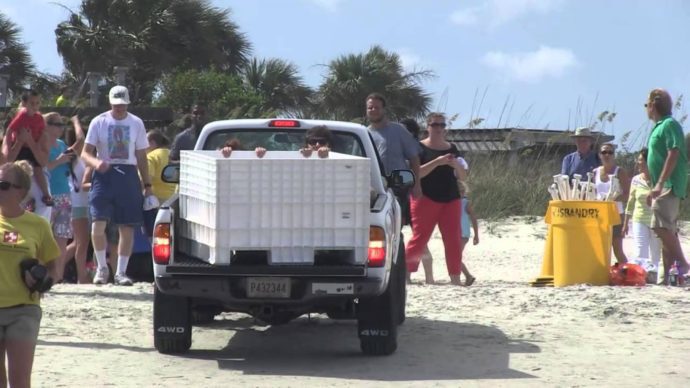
119,95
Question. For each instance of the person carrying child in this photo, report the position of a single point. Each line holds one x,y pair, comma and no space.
25,140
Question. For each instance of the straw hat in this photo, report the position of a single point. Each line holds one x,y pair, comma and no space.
583,132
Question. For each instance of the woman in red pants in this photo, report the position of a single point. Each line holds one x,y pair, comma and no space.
440,202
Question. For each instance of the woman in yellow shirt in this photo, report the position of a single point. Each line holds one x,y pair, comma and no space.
23,235
157,155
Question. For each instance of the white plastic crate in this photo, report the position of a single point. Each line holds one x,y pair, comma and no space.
284,203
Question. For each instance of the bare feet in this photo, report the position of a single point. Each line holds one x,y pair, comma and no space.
430,281
469,280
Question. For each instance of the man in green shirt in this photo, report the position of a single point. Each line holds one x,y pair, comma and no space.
667,161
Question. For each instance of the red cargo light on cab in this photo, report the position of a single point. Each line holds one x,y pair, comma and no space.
284,124
161,244
377,247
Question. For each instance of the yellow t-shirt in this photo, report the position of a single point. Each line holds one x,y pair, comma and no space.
26,236
157,160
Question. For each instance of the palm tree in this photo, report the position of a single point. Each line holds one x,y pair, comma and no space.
279,84
151,38
14,56
352,77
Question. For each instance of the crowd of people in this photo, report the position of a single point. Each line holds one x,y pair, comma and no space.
649,202
57,194
60,192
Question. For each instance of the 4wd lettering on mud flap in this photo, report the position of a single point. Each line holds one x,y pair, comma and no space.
171,329
576,213
374,333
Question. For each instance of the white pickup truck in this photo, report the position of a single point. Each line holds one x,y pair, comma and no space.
191,289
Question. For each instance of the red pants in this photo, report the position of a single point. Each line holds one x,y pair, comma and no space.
426,214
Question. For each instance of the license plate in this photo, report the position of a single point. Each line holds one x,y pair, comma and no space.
268,287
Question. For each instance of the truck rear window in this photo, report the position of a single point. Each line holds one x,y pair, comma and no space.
282,140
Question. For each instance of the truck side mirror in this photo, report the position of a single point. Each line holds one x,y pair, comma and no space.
171,173
401,179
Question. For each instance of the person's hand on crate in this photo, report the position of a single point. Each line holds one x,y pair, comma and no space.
260,152
322,152
306,152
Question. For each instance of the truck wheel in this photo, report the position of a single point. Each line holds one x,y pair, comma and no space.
172,325
402,281
377,319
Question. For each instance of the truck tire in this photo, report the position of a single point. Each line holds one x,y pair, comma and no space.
402,281
378,317
172,323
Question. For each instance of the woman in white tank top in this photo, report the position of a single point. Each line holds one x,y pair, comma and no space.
602,181
80,206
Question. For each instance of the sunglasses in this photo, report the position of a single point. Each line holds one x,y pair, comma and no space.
606,152
438,125
198,113
56,124
315,141
5,185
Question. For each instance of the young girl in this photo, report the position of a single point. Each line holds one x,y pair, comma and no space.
467,216
25,140
647,244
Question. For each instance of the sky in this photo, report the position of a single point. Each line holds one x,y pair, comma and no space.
516,63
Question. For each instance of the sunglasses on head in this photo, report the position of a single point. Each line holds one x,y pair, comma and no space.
606,152
5,185
317,140
438,125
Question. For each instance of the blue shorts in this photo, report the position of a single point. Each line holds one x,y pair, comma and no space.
116,196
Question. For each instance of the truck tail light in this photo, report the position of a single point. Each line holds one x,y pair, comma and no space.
161,244
377,247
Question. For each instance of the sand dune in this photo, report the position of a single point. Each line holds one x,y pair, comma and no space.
499,332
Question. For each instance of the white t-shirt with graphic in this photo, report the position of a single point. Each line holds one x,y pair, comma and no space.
117,140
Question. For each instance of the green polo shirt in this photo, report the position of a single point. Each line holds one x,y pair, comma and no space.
666,135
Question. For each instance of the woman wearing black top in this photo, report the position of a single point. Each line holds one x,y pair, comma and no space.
440,202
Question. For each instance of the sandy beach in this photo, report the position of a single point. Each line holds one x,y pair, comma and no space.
500,332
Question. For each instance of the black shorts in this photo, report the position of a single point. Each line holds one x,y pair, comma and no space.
26,154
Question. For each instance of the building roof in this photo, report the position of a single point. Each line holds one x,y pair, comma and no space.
510,139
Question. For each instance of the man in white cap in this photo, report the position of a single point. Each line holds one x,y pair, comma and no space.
115,148
584,159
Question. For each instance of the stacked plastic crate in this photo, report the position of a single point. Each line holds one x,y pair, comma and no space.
283,203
